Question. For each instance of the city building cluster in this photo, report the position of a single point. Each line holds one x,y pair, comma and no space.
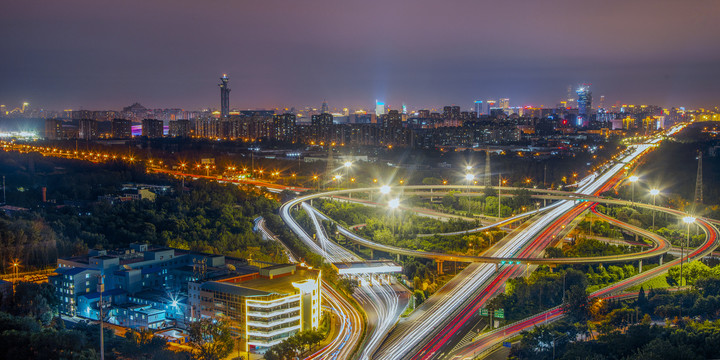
142,287
487,122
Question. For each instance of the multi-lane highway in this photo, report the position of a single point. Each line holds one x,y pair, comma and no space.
380,296
489,341
431,333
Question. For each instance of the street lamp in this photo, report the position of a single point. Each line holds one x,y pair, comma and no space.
469,177
501,182
654,193
688,220
393,204
633,179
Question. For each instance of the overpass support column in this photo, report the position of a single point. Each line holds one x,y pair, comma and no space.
439,266
640,266
372,256
398,258
497,267
661,258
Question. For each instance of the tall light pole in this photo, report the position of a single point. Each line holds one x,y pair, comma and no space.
633,179
393,204
348,164
687,220
384,190
654,193
468,178
101,289
500,184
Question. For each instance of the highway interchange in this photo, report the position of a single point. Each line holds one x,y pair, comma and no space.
429,333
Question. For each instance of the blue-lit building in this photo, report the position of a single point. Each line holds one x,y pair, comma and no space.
143,285
584,105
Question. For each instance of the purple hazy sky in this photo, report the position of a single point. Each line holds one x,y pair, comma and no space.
99,54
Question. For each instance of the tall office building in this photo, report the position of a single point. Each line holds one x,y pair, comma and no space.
478,107
380,108
490,104
584,101
224,96
504,103
324,109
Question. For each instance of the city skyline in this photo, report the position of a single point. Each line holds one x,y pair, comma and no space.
170,55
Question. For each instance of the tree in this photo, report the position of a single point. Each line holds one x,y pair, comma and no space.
576,303
210,339
143,344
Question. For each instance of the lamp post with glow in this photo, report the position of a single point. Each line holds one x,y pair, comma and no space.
384,190
501,181
633,179
468,178
687,220
347,165
654,193
393,204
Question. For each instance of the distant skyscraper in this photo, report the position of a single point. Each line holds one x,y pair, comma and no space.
404,109
504,103
602,102
380,108
324,109
224,96
584,104
478,107
490,104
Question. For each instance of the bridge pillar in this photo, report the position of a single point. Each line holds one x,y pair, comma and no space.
661,258
398,258
372,256
439,266
497,267
640,266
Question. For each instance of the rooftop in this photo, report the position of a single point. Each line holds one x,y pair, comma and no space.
281,284
367,267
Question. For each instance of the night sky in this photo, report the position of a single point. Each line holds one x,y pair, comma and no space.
103,54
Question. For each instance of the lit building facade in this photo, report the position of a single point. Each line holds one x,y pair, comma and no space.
263,308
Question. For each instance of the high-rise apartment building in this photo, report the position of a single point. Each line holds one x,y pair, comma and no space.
87,129
179,128
53,129
121,129
284,126
321,127
152,128
451,112
224,96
